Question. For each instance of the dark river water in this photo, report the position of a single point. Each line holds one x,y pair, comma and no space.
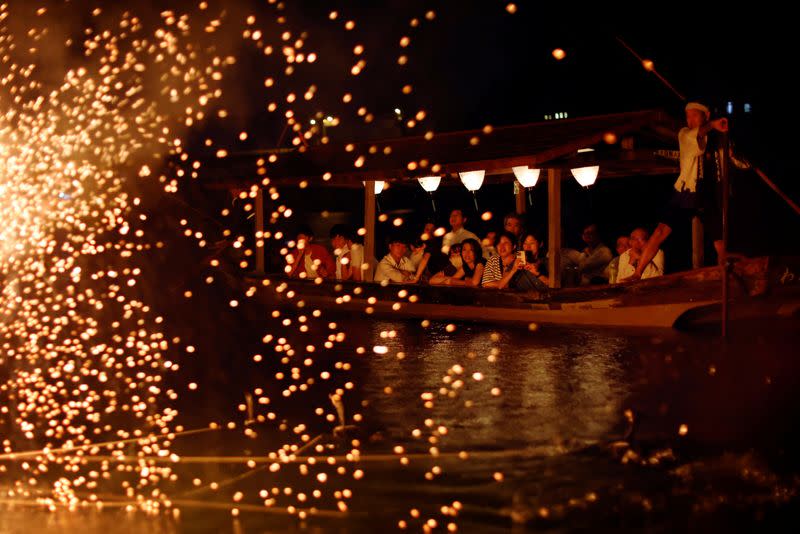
553,429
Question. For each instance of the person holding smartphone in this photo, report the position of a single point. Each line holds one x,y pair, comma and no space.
507,269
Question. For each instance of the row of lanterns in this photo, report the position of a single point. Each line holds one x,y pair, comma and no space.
473,180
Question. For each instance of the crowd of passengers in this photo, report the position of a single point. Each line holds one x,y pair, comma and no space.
513,258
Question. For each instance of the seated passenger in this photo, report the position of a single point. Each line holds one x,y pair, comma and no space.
395,266
471,270
309,260
349,255
457,232
612,269
488,244
586,266
535,257
629,260
507,269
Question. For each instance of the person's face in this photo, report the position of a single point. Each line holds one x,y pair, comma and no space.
695,118
397,250
505,247
513,225
455,251
590,235
468,253
338,242
491,237
456,219
623,244
638,240
531,244
429,229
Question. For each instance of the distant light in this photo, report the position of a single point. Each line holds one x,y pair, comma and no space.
472,180
747,108
582,150
648,65
329,118
586,176
397,110
313,122
559,54
730,107
526,177
430,183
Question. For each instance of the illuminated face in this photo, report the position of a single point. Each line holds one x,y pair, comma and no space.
513,225
505,247
456,219
468,253
397,250
531,244
590,235
490,238
638,240
623,244
338,242
695,118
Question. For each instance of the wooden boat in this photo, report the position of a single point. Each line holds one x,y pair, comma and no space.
761,287
764,287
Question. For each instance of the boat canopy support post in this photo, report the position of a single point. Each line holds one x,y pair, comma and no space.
519,194
259,250
369,226
554,226
698,253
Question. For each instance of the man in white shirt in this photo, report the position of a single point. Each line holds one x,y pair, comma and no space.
686,199
629,260
457,232
349,255
395,266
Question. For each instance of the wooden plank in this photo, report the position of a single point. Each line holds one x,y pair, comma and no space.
554,226
369,226
259,231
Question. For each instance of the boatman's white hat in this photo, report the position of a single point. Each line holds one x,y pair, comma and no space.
699,107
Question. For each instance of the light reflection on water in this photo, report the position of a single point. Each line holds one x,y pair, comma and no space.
573,389
563,393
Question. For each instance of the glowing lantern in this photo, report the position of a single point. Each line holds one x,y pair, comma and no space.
379,185
586,176
526,177
430,184
473,180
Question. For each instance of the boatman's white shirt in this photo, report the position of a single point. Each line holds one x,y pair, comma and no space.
388,269
653,269
690,155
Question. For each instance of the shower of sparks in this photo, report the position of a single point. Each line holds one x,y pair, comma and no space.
84,356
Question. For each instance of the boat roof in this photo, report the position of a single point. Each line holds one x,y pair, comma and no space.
625,144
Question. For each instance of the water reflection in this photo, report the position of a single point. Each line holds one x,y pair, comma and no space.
548,392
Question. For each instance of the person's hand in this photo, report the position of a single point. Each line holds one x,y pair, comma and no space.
519,264
532,268
720,124
631,278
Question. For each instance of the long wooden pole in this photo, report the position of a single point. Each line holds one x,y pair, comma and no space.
554,226
519,194
725,204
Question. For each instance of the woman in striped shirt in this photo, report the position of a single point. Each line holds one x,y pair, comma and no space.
506,270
